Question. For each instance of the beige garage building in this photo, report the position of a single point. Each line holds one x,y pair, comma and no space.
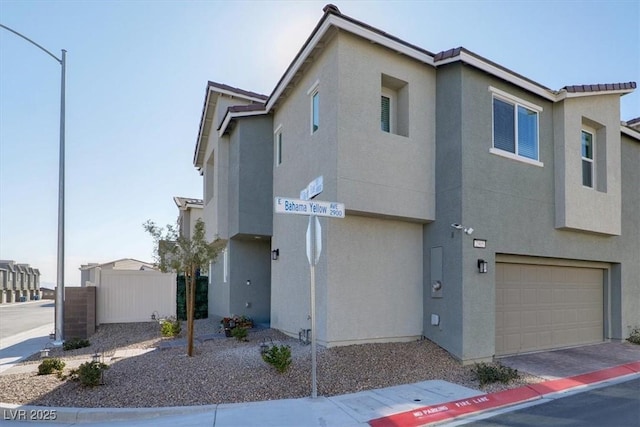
541,307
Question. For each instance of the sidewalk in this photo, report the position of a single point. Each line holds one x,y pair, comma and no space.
20,346
411,405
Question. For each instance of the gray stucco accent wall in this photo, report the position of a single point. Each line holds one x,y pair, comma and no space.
250,177
512,205
439,234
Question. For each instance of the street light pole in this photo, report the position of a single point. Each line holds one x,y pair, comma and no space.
59,320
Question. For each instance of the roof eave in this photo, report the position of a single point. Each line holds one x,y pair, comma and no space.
231,115
630,132
206,121
562,94
203,131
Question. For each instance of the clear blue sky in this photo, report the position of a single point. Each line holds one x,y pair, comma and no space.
136,77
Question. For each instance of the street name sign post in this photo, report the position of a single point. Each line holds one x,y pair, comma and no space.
313,209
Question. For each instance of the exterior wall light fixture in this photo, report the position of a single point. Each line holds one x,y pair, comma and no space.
275,254
466,230
482,266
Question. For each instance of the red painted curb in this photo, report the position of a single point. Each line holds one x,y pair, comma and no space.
450,410
634,366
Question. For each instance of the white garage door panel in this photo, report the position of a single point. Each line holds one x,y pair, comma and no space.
543,307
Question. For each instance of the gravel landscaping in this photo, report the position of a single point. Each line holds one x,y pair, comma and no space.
224,370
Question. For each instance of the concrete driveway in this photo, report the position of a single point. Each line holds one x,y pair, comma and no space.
574,361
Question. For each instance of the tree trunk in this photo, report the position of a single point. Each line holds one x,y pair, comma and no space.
191,307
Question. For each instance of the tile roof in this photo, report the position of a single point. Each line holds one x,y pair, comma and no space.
236,90
600,87
246,108
183,201
446,54
633,121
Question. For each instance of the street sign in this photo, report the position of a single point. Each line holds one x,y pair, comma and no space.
313,189
313,209
313,257
308,207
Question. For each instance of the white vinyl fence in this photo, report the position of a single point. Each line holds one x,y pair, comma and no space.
126,296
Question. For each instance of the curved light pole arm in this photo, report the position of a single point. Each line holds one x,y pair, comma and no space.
35,44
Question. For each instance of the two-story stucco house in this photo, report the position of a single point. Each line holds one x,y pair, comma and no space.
236,164
190,211
18,282
484,211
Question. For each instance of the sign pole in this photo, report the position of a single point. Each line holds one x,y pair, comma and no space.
312,208
312,271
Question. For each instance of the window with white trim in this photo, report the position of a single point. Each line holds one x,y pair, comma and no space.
588,145
209,179
277,142
394,105
387,111
225,265
515,126
314,94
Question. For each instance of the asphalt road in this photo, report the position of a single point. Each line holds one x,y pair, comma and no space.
20,317
616,405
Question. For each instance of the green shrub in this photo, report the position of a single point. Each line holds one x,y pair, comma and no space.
634,337
89,373
487,373
49,366
239,333
170,327
279,357
75,343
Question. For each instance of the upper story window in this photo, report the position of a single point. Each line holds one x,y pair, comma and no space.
277,141
588,141
314,93
515,127
394,105
387,111
209,179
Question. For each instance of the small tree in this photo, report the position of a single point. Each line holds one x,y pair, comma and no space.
173,252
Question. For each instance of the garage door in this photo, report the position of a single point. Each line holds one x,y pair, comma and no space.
544,307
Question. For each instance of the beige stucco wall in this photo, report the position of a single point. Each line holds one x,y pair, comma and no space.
369,277
579,207
374,283
304,157
380,173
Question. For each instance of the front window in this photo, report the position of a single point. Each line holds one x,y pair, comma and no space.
385,113
587,159
278,147
315,113
515,129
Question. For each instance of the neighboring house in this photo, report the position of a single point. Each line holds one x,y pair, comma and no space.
237,200
4,274
190,212
91,272
484,211
18,282
48,293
